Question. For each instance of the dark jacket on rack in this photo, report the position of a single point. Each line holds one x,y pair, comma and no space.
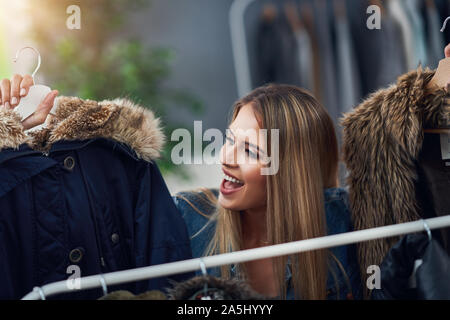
382,143
85,191
276,53
398,279
343,278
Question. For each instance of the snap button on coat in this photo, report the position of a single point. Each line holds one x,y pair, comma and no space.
76,255
115,238
69,163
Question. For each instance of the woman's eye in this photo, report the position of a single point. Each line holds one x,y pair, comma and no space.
251,154
230,140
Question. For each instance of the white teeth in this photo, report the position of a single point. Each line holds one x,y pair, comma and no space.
232,179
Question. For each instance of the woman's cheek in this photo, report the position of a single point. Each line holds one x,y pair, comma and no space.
256,183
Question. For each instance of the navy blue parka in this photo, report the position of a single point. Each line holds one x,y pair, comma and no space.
84,191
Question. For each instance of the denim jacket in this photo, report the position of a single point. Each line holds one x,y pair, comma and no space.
344,272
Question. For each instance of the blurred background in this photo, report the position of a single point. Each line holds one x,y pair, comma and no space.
191,59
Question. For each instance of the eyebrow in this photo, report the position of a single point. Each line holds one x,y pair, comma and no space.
248,143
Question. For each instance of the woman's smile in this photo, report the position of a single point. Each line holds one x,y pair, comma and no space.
230,185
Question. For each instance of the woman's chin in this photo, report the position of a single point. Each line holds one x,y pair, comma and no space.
227,204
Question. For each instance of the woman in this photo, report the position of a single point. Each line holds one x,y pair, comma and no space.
300,201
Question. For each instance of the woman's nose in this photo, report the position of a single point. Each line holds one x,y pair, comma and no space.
228,154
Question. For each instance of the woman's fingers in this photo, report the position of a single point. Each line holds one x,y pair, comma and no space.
12,91
5,88
42,111
25,85
15,89
447,51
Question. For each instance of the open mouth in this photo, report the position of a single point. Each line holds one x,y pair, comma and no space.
230,185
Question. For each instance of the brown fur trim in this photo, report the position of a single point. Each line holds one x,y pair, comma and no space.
120,120
382,138
227,289
12,134
127,295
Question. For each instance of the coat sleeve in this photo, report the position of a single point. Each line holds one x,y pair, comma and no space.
160,232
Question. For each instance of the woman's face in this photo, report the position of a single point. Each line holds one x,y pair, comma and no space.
241,158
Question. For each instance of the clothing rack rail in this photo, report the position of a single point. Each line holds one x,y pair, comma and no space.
190,265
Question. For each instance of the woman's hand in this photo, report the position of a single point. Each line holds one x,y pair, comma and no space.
12,91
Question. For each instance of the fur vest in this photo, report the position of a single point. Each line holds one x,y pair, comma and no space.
382,138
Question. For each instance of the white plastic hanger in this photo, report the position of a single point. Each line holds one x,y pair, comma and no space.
36,93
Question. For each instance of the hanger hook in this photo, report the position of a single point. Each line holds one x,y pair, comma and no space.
205,286
103,283
39,58
41,292
445,23
203,267
427,229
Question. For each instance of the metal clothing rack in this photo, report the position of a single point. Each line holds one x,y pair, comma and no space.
178,267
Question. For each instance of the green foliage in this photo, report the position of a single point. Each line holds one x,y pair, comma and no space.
97,62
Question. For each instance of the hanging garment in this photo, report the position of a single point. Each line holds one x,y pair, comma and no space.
398,13
411,8
213,288
383,138
398,278
84,192
433,184
379,53
348,83
391,55
327,62
305,59
343,279
307,18
276,53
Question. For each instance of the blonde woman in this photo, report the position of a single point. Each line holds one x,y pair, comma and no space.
301,200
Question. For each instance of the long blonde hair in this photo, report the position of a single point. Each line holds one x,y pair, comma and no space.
308,163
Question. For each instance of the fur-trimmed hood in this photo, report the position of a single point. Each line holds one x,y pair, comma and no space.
216,288
77,119
382,139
